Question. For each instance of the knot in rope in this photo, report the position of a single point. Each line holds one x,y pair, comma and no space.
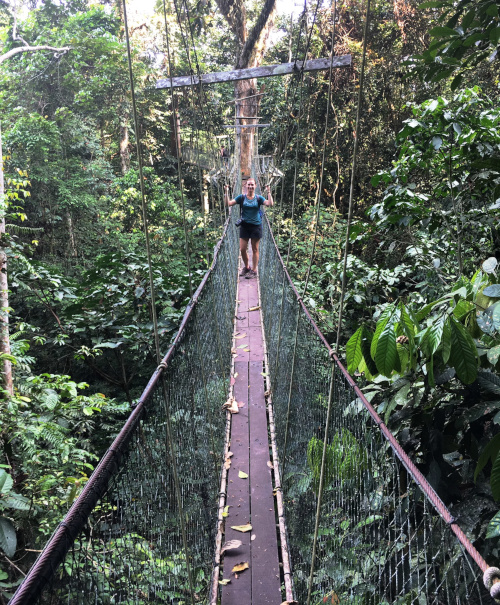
162,366
491,579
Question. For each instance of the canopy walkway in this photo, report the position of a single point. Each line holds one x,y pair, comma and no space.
352,521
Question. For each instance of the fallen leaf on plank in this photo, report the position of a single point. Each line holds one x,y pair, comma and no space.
243,346
224,582
236,375
231,405
242,475
290,603
230,454
241,404
227,464
240,567
270,464
254,308
226,510
231,544
242,528
247,350
233,350
264,374
253,537
240,336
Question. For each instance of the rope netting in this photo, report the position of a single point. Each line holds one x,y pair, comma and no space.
380,534
143,530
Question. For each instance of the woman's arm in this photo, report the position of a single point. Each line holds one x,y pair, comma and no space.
226,197
269,201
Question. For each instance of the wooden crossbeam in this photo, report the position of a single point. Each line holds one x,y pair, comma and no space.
265,71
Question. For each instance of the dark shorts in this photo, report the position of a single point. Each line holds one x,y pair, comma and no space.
250,231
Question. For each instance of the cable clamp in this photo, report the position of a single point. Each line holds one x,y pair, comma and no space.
162,366
491,579
452,520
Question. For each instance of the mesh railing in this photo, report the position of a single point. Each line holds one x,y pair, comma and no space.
383,536
143,529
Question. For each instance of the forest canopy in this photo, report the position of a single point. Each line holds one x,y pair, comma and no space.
421,323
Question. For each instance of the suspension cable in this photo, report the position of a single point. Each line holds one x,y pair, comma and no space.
143,196
353,173
332,383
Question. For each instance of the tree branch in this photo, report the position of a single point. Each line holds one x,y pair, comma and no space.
235,14
256,44
32,49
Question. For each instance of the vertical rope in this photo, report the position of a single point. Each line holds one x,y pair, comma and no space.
353,173
141,179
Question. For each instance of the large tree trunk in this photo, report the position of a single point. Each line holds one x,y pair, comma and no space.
247,107
4,288
124,152
252,46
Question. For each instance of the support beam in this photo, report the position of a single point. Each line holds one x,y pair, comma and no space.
265,71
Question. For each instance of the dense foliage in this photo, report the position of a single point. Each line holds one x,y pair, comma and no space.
422,315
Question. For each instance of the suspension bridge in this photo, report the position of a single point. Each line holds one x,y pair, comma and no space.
253,470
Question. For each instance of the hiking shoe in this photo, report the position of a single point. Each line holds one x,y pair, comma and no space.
251,273
244,271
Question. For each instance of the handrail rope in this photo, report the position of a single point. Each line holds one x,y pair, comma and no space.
379,425
353,174
292,375
143,195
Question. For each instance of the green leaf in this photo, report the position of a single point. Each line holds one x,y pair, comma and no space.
366,351
495,35
381,324
8,540
494,527
493,355
386,353
463,354
107,345
353,350
17,502
436,334
6,482
489,381
439,32
432,4
495,479
490,452
446,342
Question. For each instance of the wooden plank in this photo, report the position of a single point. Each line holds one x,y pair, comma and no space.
239,591
265,71
246,125
265,563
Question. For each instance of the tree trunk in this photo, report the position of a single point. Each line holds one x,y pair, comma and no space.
71,234
249,109
4,288
124,152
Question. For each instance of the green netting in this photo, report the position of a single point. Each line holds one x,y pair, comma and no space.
130,549
380,540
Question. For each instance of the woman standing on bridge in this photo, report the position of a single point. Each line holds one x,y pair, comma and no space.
251,223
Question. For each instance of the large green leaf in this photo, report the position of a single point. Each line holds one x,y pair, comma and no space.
366,351
6,482
495,479
490,452
463,353
446,342
436,334
381,324
353,350
8,540
494,527
386,353
17,502
489,382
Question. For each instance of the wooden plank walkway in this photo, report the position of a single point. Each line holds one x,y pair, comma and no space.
250,500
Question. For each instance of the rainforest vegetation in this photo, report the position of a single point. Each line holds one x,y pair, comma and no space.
421,321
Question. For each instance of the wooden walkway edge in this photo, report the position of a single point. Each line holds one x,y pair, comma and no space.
250,497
